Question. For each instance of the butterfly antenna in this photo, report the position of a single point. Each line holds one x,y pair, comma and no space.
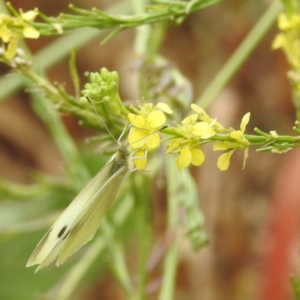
105,126
163,127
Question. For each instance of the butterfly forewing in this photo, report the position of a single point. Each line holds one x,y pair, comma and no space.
79,222
91,219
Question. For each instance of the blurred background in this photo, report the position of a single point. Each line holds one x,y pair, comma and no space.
251,215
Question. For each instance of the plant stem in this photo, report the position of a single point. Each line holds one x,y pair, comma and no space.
171,259
240,55
145,237
118,257
139,185
61,47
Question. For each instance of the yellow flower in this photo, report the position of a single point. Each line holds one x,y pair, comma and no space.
189,156
191,127
224,160
28,31
175,144
238,142
140,159
14,28
144,134
194,129
280,41
203,116
239,134
287,22
288,40
204,130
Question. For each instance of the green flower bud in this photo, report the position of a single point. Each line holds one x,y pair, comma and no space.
84,101
113,88
115,77
104,74
95,78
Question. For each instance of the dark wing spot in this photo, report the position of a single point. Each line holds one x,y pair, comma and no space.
66,235
62,231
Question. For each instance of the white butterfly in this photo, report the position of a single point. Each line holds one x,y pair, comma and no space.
81,219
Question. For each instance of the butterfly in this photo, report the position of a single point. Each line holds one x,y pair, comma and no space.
81,219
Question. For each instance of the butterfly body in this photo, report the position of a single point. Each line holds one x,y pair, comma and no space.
81,219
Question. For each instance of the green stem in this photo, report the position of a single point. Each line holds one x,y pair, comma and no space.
175,11
65,288
145,238
142,198
74,165
253,139
12,190
61,47
118,257
239,56
59,97
139,185
171,258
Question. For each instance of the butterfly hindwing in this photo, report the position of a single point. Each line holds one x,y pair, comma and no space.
79,222
90,220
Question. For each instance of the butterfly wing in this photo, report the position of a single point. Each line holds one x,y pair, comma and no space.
90,220
71,231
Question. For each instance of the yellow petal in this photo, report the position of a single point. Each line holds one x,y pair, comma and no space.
147,108
237,135
156,119
5,18
140,160
197,157
164,107
245,121
204,130
5,34
190,120
11,49
200,128
200,111
280,41
224,160
29,15
210,132
175,143
245,158
221,146
31,33
185,157
283,22
153,141
136,138
136,120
